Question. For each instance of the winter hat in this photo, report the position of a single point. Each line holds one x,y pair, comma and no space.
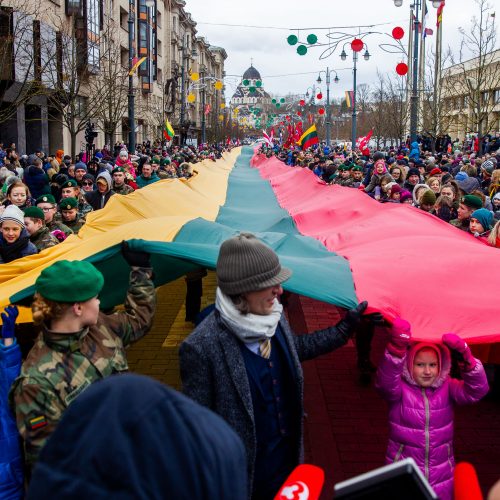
396,189
461,176
13,213
245,264
485,218
428,198
80,166
381,162
123,154
34,213
416,189
488,166
88,177
472,201
496,197
413,171
405,195
435,171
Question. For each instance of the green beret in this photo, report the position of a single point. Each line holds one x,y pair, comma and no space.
70,184
69,281
34,213
118,169
46,198
165,161
155,161
357,168
472,201
68,203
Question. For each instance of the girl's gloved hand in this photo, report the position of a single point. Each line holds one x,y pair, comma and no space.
455,343
400,337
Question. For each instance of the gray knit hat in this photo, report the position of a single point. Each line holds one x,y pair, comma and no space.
245,264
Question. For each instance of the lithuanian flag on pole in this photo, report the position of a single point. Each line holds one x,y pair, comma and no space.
168,131
309,137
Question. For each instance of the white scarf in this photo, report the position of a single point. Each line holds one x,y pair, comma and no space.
249,327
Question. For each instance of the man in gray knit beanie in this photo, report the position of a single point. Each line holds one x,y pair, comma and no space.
243,360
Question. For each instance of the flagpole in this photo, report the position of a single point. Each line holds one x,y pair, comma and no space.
409,78
437,78
421,70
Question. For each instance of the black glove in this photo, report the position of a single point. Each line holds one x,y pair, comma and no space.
353,316
135,258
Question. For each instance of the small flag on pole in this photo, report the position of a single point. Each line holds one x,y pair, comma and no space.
349,98
440,13
135,65
308,138
168,131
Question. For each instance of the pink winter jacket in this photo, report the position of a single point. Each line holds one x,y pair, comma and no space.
421,419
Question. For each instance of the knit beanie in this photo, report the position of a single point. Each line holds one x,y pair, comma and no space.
245,264
13,213
413,171
461,176
405,195
80,166
488,166
428,198
395,189
485,218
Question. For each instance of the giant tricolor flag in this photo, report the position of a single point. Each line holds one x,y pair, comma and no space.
342,246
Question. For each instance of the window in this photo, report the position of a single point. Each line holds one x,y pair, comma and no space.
497,96
159,77
124,57
123,18
158,19
174,23
485,97
81,104
158,47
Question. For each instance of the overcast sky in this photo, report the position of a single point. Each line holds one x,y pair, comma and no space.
272,55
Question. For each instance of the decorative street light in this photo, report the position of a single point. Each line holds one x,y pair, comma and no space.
415,5
328,73
356,45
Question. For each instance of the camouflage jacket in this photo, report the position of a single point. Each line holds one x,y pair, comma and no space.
344,182
460,224
60,366
75,225
58,225
43,239
124,189
83,207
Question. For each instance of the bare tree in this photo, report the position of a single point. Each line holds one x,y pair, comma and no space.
21,55
111,84
476,69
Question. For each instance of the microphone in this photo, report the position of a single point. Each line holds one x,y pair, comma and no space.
304,483
466,484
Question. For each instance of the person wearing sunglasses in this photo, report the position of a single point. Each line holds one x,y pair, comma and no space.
87,183
47,203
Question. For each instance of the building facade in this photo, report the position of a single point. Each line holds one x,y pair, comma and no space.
65,63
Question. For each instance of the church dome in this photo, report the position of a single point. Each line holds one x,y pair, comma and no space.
251,74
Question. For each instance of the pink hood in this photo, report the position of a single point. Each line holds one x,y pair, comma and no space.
444,359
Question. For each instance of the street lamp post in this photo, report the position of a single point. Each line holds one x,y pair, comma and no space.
328,110
131,103
343,56
203,114
414,91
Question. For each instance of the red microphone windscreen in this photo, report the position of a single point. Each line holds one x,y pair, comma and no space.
466,485
304,483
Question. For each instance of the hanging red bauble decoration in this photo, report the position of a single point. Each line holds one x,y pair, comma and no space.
319,96
302,102
282,123
398,33
299,113
321,111
288,118
357,44
402,69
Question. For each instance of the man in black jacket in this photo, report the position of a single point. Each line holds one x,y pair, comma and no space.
98,198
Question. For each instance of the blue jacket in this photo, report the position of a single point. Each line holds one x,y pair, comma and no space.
11,467
37,181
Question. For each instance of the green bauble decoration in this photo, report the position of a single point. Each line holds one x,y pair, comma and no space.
274,101
246,83
258,83
252,89
282,100
312,39
292,39
302,50
278,104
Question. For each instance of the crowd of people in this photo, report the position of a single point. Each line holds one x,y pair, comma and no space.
45,198
461,188
242,362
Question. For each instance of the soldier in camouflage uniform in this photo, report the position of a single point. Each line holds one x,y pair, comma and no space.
71,189
70,215
119,184
47,203
344,178
78,344
40,234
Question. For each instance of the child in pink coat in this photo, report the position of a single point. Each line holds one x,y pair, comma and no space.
415,381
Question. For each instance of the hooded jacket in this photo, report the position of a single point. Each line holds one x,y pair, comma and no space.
97,200
135,438
37,181
421,419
